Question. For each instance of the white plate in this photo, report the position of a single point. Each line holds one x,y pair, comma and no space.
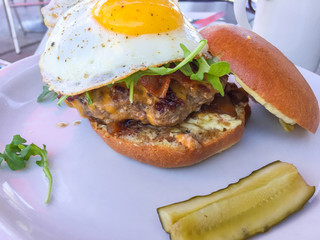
99,194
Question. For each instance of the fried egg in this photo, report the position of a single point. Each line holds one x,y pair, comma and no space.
54,10
96,43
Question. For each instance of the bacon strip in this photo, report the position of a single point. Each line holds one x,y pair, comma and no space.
156,85
159,85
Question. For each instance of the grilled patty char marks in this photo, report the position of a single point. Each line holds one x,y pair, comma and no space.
234,100
182,97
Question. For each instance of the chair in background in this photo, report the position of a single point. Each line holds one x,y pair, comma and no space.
10,4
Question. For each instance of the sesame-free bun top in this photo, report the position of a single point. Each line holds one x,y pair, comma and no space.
265,73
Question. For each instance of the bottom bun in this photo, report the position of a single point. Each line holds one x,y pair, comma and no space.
200,136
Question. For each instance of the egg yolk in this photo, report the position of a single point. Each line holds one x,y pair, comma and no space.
136,17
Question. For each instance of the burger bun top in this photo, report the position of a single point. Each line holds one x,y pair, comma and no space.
265,73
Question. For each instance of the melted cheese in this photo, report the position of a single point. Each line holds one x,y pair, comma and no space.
105,101
178,90
188,141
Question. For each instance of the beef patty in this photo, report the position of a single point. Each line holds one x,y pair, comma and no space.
159,101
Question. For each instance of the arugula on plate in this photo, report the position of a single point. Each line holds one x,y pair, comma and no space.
17,153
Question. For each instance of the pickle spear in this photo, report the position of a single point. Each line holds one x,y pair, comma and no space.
252,205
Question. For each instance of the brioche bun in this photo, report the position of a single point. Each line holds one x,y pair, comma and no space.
182,150
266,74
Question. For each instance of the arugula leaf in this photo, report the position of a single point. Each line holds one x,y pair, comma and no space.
189,58
186,51
203,67
210,61
186,69
89,98
46,94
12,155
132,80
219,69
61,99
17,153
215,83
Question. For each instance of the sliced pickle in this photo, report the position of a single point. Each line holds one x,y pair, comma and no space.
172,213
252,205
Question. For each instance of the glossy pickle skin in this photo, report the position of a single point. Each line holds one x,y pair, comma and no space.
252,205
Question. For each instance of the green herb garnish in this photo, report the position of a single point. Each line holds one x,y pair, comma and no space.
89,98
51,95
61,99
207,70
16,154
46,94
188,58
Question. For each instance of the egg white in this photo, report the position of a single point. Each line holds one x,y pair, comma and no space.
54,10
81,54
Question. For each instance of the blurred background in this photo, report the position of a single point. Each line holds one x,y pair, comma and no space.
28,25
29,28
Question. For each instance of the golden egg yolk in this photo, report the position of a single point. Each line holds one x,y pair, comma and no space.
136,17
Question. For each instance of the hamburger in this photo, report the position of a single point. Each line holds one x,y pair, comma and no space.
154,92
